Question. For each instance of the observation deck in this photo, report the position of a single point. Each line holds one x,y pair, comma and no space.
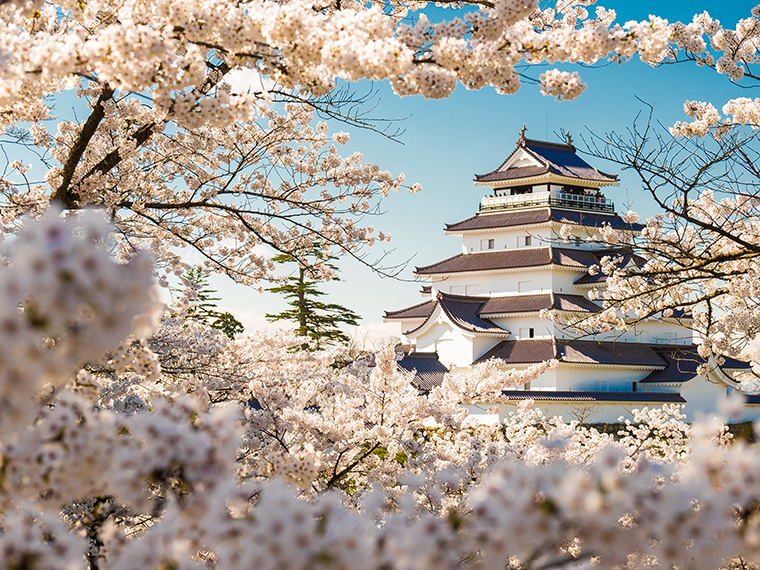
595,202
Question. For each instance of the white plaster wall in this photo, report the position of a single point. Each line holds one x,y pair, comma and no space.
495,283
591,412
588,237
546,381
453,346
563,279
543,235
658,331
702,397
652,331
506,238
576,378
594,412
541,327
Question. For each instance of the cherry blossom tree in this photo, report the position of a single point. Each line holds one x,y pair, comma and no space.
182,480
129,444
696,261
180,160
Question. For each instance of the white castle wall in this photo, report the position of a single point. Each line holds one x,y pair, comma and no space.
528,280
453,347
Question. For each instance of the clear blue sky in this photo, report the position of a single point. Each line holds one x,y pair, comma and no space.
447,142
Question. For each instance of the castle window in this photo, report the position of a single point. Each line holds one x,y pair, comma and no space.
487,244
528,333
524,241
524,286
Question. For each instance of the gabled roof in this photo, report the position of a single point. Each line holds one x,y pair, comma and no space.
429,370
565,396
483,221
419,311
471,313
464,312
528,351
552,158
518,258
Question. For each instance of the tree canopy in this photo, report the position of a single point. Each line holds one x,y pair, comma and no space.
134,438
315,320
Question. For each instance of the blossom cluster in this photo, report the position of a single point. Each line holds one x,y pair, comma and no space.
242,449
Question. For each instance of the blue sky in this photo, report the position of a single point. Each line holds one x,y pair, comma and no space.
446,142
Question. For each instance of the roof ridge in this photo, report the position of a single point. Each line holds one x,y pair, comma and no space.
548,144
415,354
463,298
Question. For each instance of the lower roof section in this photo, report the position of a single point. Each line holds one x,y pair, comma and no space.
671,362
529,351
499,260
566,396
419,311
474,311
487,221
429,371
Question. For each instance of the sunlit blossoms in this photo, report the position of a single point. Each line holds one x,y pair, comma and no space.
126,442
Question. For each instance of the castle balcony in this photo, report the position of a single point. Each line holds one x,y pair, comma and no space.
596,202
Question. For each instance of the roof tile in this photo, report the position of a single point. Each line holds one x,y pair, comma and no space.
516,258
464,312
419,311
484,221
527,351
429,371
536,302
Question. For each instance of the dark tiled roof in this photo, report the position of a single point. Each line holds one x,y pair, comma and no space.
554,158
625,256
593,219
682,363
419,311
464,312
540,215
574,257
562,396
516,258
605,352
527,351
529,257
575,303
537,302
429,371
517,304
501,220
522,351
734,363
589,279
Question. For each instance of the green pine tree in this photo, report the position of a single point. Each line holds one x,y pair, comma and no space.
314,319
203,307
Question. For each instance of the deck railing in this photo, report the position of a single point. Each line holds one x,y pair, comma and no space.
584,202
